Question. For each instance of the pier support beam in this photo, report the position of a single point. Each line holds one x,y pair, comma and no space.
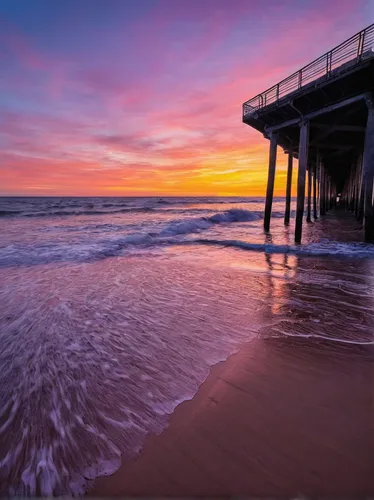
303,161
315,168
357,184
308,216
288,190
271,177
358,187
360,212
322,184
368,171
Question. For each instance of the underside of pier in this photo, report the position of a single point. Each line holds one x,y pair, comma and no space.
323,115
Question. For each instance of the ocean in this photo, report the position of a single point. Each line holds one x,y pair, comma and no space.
114,310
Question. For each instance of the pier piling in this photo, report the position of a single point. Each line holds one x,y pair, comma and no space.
288,189
315,190
308,216
322,192
271,177
303,160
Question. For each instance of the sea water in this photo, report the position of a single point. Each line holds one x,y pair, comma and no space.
113,310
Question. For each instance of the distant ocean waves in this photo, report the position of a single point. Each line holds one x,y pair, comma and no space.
60,207
71,212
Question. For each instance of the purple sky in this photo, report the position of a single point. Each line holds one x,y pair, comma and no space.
120,97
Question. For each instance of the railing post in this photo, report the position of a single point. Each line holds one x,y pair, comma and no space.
277,91
359,49
300,78
361,40
329,63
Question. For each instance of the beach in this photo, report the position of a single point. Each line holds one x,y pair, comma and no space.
282,417
170,347
187,259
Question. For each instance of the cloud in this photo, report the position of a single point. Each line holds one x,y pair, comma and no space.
156,106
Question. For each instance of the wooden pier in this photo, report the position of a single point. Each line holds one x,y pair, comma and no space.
323,115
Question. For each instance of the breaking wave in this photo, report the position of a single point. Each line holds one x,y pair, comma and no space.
82,251
173,233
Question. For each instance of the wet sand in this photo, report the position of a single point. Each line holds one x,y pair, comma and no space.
283,416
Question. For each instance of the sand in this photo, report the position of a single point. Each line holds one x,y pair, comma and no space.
281,417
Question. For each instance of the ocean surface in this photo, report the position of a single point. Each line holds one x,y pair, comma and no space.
113,310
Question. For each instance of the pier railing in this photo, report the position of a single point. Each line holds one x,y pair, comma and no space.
347,54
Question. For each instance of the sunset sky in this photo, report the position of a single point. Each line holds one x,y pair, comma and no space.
143,97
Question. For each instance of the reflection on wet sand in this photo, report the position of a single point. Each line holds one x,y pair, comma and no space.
281,268
328,298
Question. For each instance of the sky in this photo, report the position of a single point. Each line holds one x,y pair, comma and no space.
143,97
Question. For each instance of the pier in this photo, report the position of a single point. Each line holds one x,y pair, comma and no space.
323,116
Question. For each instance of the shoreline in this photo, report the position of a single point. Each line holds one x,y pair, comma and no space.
282,416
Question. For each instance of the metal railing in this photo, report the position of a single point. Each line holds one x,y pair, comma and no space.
345,55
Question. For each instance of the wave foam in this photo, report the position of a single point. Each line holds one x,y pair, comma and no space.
90,247
330,339
88,370
97,249
201,223
323,249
